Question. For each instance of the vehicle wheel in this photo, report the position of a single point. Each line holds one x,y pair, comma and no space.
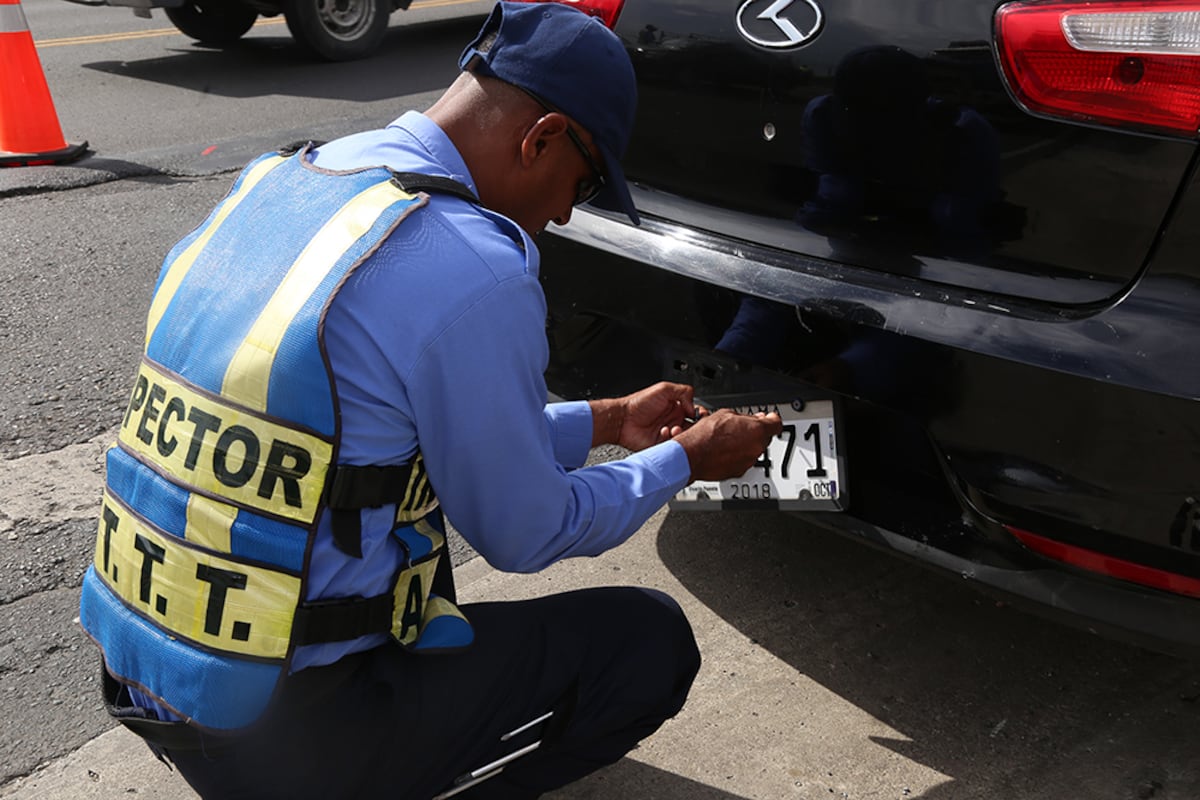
213,21
338,30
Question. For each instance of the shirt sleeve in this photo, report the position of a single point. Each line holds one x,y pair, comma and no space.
497,455
571,429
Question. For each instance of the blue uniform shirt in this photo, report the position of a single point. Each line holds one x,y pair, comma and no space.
438,343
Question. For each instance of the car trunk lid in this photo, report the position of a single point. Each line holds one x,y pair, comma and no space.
882,135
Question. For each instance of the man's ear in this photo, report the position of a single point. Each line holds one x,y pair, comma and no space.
551,126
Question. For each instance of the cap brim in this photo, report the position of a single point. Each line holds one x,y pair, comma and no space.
615,194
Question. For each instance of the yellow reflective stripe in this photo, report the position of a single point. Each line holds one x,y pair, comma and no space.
180,266
419,499
441,607
206,444
249,372
411,594
214,601
436,539
209,523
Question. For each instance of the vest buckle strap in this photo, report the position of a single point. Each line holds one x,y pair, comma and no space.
339,620
347,530
400,611
413,182
291,148
355,487
352,488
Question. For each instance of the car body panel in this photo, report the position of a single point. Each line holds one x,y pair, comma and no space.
1043,380
889,141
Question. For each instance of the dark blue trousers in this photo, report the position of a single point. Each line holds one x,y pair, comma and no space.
612,664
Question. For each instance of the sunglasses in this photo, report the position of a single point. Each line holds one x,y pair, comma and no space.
588,188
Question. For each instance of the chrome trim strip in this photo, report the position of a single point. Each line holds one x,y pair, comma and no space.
1093,342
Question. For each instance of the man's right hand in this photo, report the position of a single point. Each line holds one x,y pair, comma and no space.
725,444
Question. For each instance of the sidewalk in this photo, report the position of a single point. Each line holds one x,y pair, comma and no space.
754,726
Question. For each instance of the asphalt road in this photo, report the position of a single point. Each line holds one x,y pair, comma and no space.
159,112
148,100
167,122
876,663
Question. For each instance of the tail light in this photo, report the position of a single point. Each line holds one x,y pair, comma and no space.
1126,64
606,10
1108,565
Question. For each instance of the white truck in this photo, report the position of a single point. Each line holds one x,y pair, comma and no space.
333,30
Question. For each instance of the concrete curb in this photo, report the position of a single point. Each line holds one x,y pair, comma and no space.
754,727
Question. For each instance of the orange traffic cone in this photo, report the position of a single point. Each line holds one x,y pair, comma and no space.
29,129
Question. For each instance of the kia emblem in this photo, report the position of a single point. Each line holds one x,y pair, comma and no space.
779,24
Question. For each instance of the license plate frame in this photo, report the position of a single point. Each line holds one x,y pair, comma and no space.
790,478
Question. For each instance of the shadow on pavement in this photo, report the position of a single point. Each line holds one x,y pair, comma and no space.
87,171
652,784
1003,703
412,59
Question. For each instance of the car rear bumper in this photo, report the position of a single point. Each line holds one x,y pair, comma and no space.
964,414
1156,620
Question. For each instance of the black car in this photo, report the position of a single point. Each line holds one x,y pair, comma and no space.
956,243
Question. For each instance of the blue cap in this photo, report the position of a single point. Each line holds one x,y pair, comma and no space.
574,63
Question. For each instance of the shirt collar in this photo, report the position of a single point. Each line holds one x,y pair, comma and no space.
437,146
441,154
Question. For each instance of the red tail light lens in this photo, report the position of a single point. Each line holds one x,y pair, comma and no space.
1128,64
606,10
1107,565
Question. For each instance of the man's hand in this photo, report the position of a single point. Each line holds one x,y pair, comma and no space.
642,419
725,444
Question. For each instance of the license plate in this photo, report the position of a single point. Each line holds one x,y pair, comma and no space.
802,469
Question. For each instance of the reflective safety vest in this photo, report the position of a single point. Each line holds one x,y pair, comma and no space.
227,458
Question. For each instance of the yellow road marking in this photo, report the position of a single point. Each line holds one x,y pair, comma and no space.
120,37
100,38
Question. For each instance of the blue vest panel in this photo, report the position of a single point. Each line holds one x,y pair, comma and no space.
223,465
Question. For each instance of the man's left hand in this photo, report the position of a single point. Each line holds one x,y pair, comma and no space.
645,418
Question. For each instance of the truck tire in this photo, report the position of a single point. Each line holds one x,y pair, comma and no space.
338,30
217,22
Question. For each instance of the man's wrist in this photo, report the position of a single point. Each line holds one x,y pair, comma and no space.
608,417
